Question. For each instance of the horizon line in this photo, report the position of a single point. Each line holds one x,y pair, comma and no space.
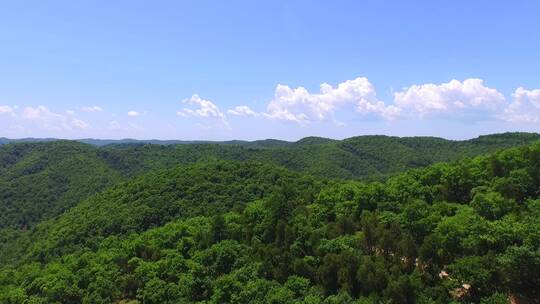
37,139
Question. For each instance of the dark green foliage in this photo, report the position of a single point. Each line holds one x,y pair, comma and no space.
247,232
40,180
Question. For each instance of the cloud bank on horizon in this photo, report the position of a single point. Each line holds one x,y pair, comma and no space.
467,101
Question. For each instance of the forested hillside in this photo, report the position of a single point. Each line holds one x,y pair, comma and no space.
247,232
41,180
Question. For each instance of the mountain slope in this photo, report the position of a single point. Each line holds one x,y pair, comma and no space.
157,198
354,158
41,180
245,232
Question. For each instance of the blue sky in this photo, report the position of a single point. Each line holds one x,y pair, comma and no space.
222,70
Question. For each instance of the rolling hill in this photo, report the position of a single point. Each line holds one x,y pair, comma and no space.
41,180
244,232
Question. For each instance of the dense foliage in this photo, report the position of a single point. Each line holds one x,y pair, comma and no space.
41,180
246,232
354,158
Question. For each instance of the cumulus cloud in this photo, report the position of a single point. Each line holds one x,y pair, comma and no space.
469,99
203,108
92,109
47,119
243,111
525,106
301,106
455,98
209,114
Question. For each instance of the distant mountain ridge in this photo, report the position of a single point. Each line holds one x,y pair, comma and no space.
48,177
270,142
130,141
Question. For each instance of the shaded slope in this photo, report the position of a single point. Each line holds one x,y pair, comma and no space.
42,180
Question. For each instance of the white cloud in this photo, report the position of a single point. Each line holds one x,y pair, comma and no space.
209,114
204,108
40,113
79,124
92,109
389,112
301,106
242,111
47,119
525,106
468,98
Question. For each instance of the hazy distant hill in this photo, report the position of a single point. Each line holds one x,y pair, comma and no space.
129,141
509,138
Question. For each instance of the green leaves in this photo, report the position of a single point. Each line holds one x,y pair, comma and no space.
224,232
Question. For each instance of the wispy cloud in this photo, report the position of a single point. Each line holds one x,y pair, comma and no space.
242,111
92,109
47,119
